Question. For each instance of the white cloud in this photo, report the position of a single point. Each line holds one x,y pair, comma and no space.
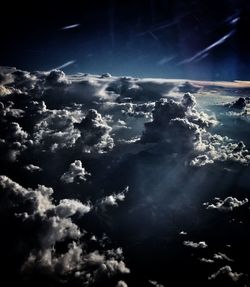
228,204
180,126
32,168
199,245
222,256
95,133
206,260
121,284
76,172
58,226
226,272
112,200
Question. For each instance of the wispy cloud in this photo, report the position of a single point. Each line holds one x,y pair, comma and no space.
71,26
65,64
203,53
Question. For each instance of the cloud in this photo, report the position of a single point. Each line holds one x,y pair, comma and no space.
121,284
32,168
76,172
182,128
155,283
228,204
239,104
206,260
222,256
56,225
95,133
226,272
112,200
199,245
127,132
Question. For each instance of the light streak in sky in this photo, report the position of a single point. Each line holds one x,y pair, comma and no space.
65,65
207,49
71,26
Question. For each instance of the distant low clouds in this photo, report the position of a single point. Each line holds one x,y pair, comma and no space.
192,244
227,204
33,168
226,272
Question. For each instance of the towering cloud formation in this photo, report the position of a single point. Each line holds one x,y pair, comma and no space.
87,137
76,172
95,132
179,125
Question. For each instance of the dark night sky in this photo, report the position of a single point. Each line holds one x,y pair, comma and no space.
150,38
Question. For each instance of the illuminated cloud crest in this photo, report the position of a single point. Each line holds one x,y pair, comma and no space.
228,204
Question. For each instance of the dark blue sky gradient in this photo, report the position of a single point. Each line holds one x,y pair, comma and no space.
149,38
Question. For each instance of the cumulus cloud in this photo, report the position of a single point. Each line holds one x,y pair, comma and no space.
206,260
228,204
240,104
95,132
222,256
183,128
227,273
33,168
216,257
112,200
76,172
55,128
58,226
121,284
50,119
199,245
